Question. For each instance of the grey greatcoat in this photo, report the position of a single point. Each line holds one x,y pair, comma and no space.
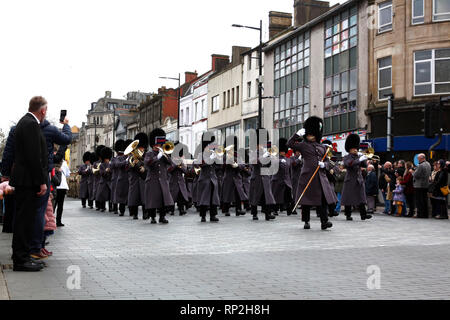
157,191
219,175
104,185
90,184
194,189
354,191
232,185
281,181
246,174
121,195
85,173
296,170
312,153
114,176
207,192
177,183
260,188
136,186
189,180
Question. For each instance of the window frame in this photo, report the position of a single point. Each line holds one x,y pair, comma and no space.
432,82
249,89
417,17
379,78
434,14
392,16
215,99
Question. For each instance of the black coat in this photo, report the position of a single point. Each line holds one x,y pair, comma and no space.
178,188
353,192
55,136
260,188
30,167
371,184
136,186
296,170
84,171
440,180
157,191
104,185
281,181
121,192
8,154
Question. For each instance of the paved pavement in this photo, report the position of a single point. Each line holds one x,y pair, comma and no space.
237,258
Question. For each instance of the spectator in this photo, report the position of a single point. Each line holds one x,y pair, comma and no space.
399,196
409,189
371,189
400,170
10,200
61,190
340,177
440,181
421,183
30,178
434,202
386,183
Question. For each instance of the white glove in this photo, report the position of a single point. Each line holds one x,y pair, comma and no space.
160,155
266,155
362,158
235,165
301,132
212,156
283,161
321,164
360,154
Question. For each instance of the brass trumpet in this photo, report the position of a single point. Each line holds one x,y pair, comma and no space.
96,169
273,151
369,153
134,152
168,147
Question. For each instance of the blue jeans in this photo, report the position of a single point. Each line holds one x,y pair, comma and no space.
387,203
338,205
39,223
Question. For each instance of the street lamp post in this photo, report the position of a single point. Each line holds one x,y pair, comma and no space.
178,101
260,68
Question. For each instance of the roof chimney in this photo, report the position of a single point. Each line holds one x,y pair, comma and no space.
219,61
307,10
190,76
278,21
107,94
237,52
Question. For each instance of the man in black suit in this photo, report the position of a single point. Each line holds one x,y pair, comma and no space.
29,176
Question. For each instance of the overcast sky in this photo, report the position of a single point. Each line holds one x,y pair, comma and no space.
71,52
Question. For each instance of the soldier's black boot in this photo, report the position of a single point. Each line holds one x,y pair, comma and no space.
254,212
364,214
162,216
213,214
181,209
239,211
226,209
307,226
203,213
122,210
324,218
348,213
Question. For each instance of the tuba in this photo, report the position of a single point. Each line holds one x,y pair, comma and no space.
134,153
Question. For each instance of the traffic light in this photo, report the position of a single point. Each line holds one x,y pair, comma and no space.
432,119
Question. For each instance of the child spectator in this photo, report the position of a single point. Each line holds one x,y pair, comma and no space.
399,196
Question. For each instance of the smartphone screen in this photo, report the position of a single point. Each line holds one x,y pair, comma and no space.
62,115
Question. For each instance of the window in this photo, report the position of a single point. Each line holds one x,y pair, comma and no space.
182,116
187,115
385,16
417,10
232,97
237,95
228,98
249,89
341,62
249,62
203,109
215,103
224,100
441,10
384,77
197,112
431,72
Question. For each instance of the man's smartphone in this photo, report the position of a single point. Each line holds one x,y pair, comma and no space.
62,115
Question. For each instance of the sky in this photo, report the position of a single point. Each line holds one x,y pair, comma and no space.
71,52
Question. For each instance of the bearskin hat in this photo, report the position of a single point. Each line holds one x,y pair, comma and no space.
327,142
120,146
107,153
352,141
158,132
94,157
98,151
313,126
87,156
143,140
207,142
283,145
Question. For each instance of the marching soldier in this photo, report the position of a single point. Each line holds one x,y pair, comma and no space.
207,185
281,181
96,172
232,188
119,147
104,185
296,169
136,179
121,191
85,172
91,182
178,189
319,192
246,173
331,171
353,192
260,189
157,191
